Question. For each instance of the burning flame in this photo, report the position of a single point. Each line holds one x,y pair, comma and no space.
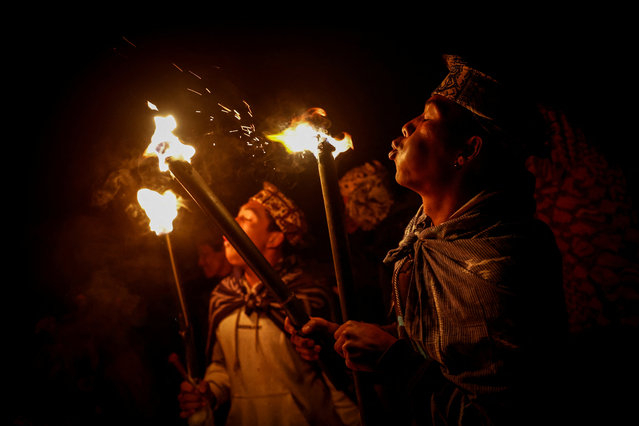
165,144
307,131
161,209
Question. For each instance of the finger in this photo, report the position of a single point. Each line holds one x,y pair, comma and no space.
297,340
343,330
349,363
186,387
356,366
310,354
311,326
190,407
203,387
339,346
190,398
288,326
320,325
304,345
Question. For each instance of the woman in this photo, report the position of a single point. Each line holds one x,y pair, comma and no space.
253,367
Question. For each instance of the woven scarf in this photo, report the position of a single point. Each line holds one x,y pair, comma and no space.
465,269
233,292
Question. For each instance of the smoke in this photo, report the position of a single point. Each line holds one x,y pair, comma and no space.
106,309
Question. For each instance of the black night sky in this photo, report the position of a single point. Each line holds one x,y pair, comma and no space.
88,287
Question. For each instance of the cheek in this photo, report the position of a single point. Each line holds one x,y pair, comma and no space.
413,160
232,256
256,233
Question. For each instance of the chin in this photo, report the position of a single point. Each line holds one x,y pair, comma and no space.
407,183
233,257
401,180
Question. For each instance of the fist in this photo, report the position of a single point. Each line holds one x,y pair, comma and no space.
362,344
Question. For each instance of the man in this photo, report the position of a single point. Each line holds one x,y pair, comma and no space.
211,259
253,364
477,280
214,267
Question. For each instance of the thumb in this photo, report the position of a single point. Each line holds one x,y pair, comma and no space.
186,386
288,326
319,325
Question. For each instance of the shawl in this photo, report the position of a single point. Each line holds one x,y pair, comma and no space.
233,292
483,294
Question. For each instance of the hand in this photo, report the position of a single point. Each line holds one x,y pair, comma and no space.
305,346
193,397
362,344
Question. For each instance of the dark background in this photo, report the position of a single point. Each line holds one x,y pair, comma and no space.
89,289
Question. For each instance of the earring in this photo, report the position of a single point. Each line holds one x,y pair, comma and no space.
456,165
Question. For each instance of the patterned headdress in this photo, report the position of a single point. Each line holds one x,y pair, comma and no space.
287,216
500,108
472,89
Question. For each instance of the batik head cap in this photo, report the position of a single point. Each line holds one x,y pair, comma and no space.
286,214
472,89
512,114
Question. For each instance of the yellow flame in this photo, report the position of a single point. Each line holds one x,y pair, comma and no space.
305,134
161,209
165,144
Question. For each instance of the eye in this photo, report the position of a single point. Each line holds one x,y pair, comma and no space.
246,216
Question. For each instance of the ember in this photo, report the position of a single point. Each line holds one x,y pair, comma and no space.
175,156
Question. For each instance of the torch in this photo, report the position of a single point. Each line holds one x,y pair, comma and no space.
307,133
162,210
174,156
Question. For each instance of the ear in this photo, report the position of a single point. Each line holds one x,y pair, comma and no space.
472,148
275,239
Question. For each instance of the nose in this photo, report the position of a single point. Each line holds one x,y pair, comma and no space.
408,128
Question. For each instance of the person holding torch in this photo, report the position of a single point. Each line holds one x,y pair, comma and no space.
476,288
252,362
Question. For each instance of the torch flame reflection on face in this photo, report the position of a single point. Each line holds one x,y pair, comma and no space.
165,144
305,133
161,209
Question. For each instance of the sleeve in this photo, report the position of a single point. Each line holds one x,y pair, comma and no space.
217,376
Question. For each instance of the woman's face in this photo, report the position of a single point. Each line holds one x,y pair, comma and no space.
424,155
255,222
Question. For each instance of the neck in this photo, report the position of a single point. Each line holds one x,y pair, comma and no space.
438,210
441,206
251,278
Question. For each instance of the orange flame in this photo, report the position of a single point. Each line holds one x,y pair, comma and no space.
307,131
161,209
165,144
